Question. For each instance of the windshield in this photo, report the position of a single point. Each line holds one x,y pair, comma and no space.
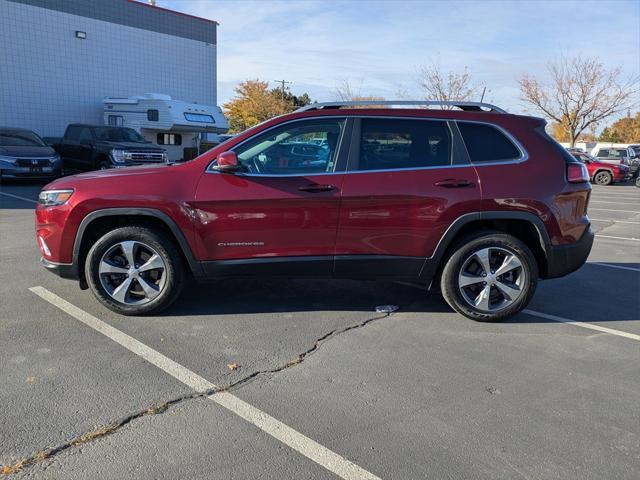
18,138
112,134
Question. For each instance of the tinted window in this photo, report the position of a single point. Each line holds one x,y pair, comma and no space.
111,134
390,144
115,120
603,153
152,115
20,138
486,143
292,149
169,139
584,158
85,135
198,117
73,134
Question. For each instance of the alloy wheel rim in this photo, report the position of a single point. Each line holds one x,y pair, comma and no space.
602,178
132,273
491,279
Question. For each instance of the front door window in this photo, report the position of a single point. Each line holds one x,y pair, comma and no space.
306,147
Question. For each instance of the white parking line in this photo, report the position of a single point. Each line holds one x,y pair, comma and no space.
295,440
614,221
616,197
616,202
590,326
611,210
18,197
619,267
631,239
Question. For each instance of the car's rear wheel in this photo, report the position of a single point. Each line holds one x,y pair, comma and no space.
135,270
489,277
603,178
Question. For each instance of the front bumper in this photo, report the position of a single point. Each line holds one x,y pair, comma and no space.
63,270
564,259
48,173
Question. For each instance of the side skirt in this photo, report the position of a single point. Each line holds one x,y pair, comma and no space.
341,266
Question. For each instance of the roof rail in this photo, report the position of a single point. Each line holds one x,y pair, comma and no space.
466,106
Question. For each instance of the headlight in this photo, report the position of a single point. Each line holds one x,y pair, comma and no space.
5,159
49,198
118,156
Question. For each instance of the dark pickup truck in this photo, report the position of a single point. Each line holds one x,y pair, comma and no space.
98,147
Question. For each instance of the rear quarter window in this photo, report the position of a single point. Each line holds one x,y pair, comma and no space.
485,143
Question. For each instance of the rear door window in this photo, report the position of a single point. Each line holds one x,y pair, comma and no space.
485,143
387,144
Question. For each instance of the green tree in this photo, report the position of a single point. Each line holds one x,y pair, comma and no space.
293,100
254,103
609,135
624,130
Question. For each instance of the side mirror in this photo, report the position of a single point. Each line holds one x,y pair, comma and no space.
227,162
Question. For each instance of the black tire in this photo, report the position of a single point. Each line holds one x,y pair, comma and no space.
603,177
174,269
104,165
464,250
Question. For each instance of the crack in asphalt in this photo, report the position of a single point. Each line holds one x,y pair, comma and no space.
114,426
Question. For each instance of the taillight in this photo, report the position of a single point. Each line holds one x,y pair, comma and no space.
577,173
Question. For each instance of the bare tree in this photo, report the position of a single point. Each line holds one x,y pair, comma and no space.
345,92
580,93
445,86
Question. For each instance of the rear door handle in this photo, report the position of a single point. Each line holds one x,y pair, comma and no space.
454,183
316,188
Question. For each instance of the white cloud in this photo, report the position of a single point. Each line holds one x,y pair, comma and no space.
380,44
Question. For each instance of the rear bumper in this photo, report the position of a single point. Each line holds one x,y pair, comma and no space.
63,270
564,259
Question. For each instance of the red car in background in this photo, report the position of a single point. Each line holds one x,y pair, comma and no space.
602,173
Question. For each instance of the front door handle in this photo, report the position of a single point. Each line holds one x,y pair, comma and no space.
454,183
313,188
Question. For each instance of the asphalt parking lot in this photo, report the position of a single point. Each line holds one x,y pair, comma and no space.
321,385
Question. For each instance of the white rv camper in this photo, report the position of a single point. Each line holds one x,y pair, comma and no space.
172,124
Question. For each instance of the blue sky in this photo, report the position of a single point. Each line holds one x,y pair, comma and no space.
378,46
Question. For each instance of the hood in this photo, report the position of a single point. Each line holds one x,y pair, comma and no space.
72,180
604,164
27,151
150,147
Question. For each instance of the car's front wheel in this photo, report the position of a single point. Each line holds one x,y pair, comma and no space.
489,277
135,270
603,178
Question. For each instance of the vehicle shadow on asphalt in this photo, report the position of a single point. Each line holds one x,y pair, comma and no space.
273,295
570,297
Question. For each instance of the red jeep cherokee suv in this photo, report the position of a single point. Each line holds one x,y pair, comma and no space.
476,200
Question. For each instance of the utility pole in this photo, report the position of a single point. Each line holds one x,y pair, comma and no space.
283,82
